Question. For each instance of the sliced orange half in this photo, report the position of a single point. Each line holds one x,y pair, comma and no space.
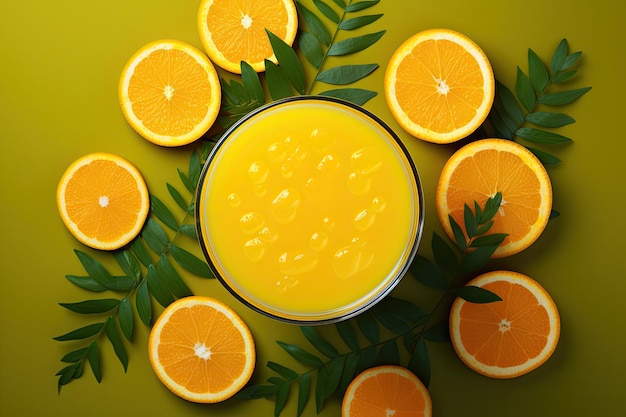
201,350
103,200
439,85
384,391
235,30
507,338
482,168
170,93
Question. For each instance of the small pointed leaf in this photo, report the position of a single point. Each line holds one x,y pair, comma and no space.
540,136
361,5
346,74
475,294
326,10
563,97
190,262
315,25
288,61
524,90
359,21
161,212
354,95
356,44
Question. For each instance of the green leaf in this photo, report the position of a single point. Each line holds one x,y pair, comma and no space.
93,356
348,335
81,333
563,97
539,136
537,72
439,332
457,231
444,255
143,303
326,10
190,262
303,392
367,325
185,180
428,273
163,213
154,235
524,90
494,239
476,259
367,359
328,379
86,282
346,74
288,374
496,118
350,368
549,119
315,25
195,169
340,3
509,103
74,355
92,306
571,59
359,21
561,77
125,317
288,61
178,197
301,355
189,230
558,58
128,263
355,44
492,205
419,362
361,5
311,48
545,157
277,82
554,214
141,252
475,294
281,399
96,270
321,344
172,278
388,353
157,287
67,374
471,223
354,95
116,341
252,83
258,391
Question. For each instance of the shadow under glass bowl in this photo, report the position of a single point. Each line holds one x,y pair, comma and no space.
309,210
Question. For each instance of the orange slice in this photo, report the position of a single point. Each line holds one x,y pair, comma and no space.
201,350
478,171
439,85
384,391
507,338
170,93
103,200
235,30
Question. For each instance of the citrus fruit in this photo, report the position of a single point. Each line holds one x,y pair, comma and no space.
170,93
508,338
384,391
439,85
201,350
482,168
232,31
103,200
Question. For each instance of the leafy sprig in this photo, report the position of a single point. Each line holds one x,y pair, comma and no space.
521,115
331,368
148,272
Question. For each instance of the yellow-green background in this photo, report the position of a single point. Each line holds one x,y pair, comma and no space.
59,72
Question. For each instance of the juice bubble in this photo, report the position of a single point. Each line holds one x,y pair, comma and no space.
277,152
352,258
286,168
254,249
379,204
285,205
297,262
299,155
329,224
359,184
321,140
318,241
328,164
365,161
314,188
260,190
258,172
364,219
251,222
286,283
268,235
234,200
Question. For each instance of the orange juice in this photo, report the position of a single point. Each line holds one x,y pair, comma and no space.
309,210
